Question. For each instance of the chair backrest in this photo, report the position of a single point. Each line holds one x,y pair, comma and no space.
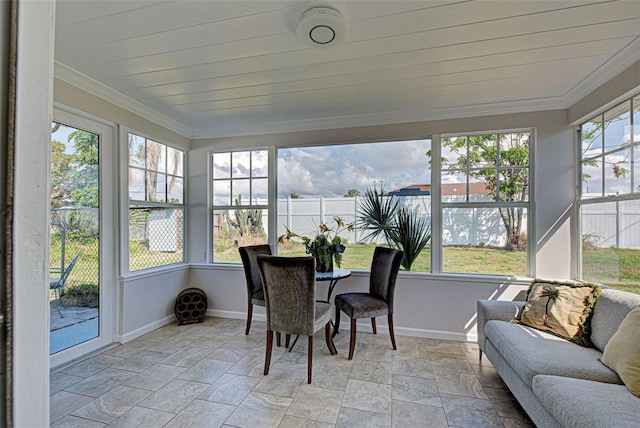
67,271
290,293
384,271
249,255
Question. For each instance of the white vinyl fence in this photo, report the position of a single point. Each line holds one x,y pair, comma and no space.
612,224
461,226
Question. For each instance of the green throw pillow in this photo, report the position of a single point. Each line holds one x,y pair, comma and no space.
622,353
561,308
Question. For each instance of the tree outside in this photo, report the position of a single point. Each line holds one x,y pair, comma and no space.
500,162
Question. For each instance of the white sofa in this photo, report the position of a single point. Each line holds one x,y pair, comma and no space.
559,383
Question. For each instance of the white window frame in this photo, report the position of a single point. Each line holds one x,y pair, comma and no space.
580,201
270,206
127,203
438,206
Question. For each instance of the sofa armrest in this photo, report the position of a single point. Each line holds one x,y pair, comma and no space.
501,310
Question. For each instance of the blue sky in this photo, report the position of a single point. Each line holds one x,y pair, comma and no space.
330,171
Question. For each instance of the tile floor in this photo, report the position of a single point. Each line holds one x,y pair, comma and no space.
210,375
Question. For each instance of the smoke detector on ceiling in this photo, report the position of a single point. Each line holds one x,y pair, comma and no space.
322,27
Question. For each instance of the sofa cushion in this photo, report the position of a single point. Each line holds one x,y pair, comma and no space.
609,311
561,308
530,352
622,353
579,403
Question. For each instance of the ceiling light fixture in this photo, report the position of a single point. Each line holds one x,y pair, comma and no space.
322,27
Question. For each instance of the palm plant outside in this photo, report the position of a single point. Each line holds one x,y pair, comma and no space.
401,227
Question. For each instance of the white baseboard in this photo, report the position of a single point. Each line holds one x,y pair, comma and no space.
146,329
364,325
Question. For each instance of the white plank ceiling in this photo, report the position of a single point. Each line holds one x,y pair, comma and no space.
217,68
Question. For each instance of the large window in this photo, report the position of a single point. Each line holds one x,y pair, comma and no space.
156,203
316,185
385,191
484,195
239,202
610,197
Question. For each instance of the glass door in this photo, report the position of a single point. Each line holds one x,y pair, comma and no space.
81,282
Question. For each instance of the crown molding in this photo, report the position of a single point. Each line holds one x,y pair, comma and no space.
96,88
622,60
387,118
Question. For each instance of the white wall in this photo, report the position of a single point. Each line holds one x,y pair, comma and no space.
428,305
147,299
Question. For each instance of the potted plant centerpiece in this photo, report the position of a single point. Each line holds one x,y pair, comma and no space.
326,245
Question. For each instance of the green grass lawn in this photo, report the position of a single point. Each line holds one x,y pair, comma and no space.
617,268
456,259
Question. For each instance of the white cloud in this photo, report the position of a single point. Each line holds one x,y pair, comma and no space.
330,171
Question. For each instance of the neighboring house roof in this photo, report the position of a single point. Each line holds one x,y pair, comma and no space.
412,190
447,189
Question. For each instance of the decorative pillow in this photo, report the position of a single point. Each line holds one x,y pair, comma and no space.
622,353
561,308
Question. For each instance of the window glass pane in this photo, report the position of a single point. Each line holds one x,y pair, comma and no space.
483,151
611,244
636,119
453,149
482,185
514,150
136,184
592,137
514,185
617,173
592,178
156,187
176,193
221,165
318,184
240,164
155,237
617,127
259,163
259,191
136,150
454,187
635,167
156,156
240,192
222,193
175,160
476,240
237,228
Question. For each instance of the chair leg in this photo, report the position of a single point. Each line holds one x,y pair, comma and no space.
352,342
327,335
249,315
310,359
287,339
373,325
480,356
55,300
267,358
393,336
337,324
278,339
60,294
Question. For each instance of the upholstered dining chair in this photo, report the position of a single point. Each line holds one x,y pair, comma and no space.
255,294
378,301
290,295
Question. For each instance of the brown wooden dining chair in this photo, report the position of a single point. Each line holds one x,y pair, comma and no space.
290,295
378,301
